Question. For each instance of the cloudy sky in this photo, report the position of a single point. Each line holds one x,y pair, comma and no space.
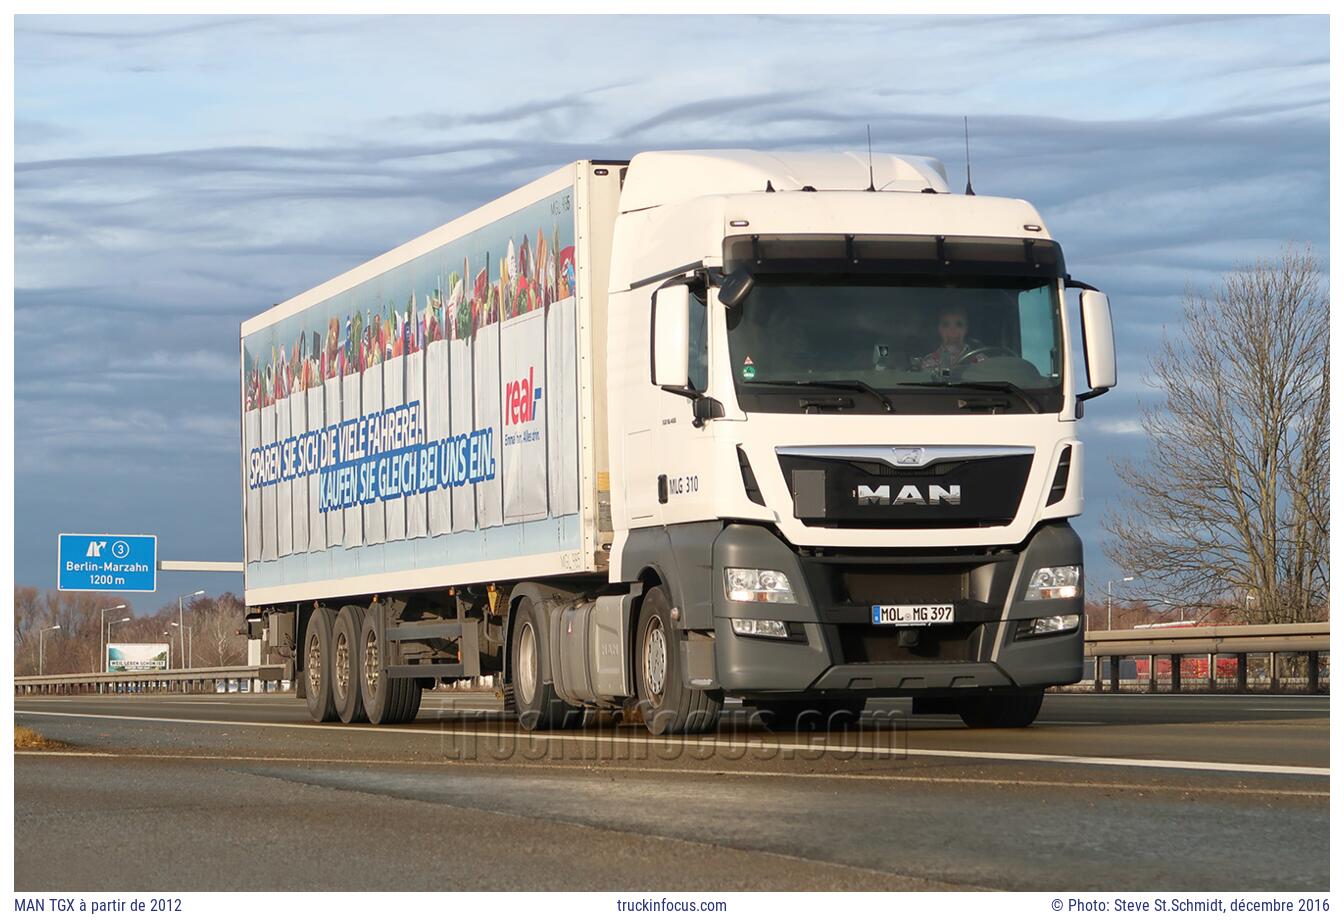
177,175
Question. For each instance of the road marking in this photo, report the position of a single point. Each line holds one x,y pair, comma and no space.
686,771
745,745
916,721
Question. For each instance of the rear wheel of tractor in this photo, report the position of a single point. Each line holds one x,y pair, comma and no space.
317,666
346,660
536,702
1009,709
669,706
386,700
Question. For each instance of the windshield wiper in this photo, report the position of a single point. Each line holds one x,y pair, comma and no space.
994,386
857,386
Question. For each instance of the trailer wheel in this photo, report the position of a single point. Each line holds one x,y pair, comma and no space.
669,706
1004,709
347,654
317,666
386,700
536,702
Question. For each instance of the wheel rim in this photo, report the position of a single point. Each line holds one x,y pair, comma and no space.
655,659
341,666
314,666
371,663
527,662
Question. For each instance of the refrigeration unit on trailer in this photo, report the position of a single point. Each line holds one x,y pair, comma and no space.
797,429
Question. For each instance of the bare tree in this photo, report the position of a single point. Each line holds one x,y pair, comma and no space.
1232,500
218,622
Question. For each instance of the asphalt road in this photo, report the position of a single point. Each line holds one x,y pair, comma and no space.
1174,793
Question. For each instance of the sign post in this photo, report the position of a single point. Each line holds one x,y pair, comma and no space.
107,562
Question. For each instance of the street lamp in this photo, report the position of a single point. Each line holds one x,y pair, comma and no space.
182,618
182,633
42,635
102,629
110,624
1109,582
170,648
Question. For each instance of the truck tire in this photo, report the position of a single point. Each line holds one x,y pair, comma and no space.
669,706
317,666
536,702
346,657
386,700
1008,709
813,716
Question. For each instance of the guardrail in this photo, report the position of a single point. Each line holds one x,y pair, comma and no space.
1212,643
264,678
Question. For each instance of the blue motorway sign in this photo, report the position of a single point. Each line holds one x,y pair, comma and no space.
107,562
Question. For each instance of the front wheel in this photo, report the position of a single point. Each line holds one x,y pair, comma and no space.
1003,709
669,706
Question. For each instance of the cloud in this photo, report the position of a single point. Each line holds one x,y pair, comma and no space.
165,189
1119,426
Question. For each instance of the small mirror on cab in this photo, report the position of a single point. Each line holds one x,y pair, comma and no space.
735,288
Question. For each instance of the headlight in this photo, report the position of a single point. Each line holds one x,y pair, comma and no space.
1043,625
1054,582
764,585
771,629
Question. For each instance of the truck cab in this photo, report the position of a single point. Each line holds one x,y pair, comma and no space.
842,412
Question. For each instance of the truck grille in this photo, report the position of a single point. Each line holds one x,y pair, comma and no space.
900,586
846,492
955,642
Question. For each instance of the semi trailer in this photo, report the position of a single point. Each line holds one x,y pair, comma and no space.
796,429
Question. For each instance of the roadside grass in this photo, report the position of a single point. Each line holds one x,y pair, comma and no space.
25,739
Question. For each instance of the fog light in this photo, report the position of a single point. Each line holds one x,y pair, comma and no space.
1055,582
763,585
770,629
1045,625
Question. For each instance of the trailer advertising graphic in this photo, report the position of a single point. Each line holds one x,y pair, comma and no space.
436,398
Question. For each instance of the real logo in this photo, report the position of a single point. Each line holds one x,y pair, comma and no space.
522,399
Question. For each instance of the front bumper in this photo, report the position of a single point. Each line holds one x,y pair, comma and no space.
834,648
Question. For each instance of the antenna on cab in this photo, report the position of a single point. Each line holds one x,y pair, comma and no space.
872,185
966,126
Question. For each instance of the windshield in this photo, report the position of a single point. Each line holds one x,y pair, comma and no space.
904,343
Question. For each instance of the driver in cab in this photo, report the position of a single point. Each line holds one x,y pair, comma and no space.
955,346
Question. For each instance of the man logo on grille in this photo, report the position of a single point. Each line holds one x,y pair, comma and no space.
913,456
908,495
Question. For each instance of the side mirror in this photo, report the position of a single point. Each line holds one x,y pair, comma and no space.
671,333
1098,342
736,287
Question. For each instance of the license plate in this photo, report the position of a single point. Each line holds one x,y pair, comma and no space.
911,614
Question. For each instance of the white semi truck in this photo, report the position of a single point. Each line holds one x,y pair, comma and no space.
798,429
